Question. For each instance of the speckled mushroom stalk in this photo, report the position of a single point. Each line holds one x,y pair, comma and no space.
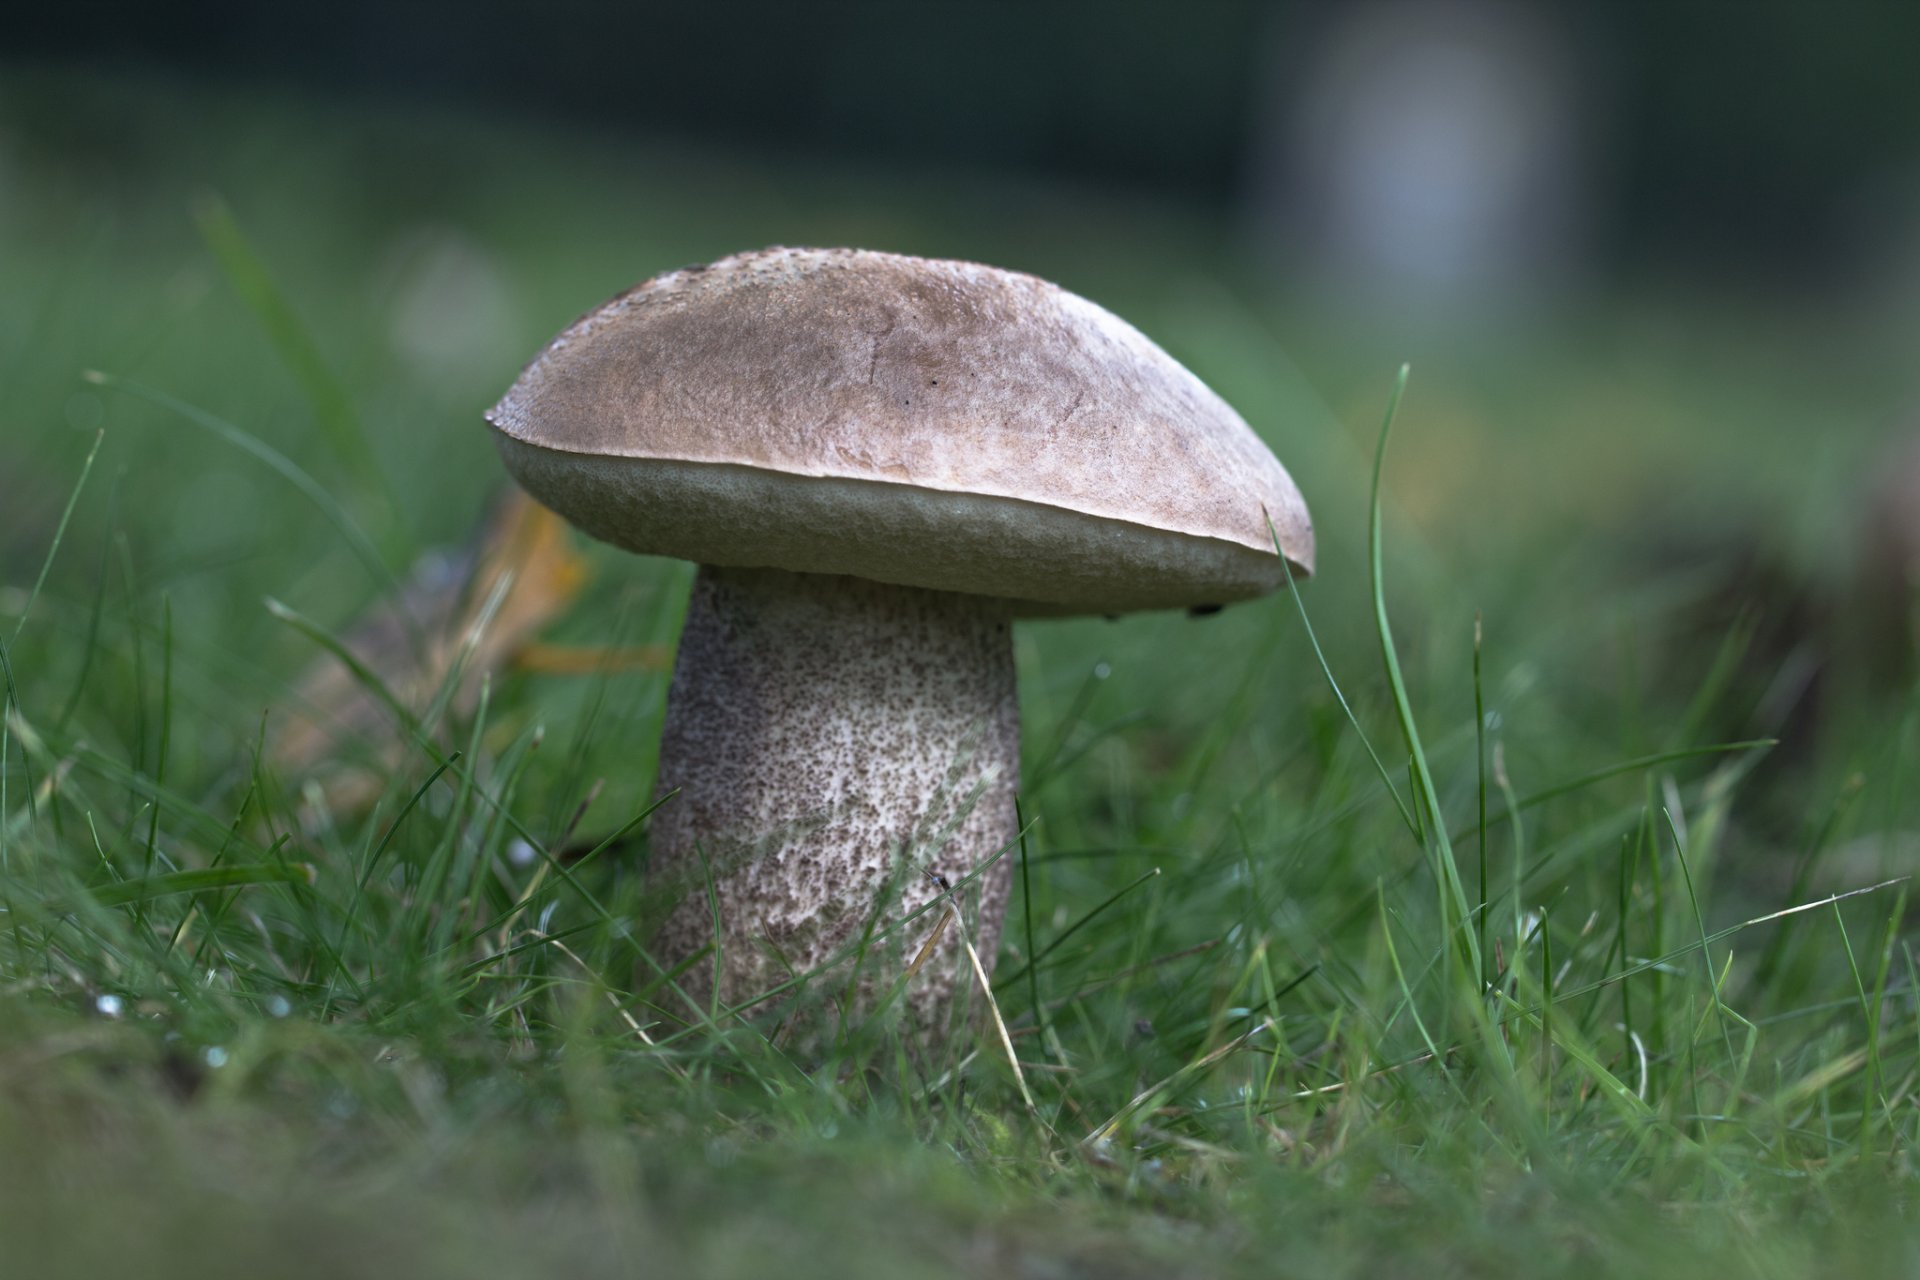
835,743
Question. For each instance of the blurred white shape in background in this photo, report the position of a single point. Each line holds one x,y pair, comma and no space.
1427,153
451,314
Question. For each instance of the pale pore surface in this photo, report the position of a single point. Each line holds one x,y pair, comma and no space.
832,739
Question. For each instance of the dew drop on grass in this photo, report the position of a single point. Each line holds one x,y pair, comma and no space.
216,1057
110,1006
278,1006
520,853
1101,670
1529,924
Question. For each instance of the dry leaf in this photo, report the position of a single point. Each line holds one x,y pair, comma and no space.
475,608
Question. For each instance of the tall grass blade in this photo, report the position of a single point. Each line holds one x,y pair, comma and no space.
356,539
1074,928
1456,915
120,893
59,534
1663,962
1535,799
1700,920
1480,794
1339,695
333,408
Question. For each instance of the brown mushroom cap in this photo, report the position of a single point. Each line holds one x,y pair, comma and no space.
926,423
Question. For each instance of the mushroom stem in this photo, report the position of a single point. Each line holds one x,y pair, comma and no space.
834,742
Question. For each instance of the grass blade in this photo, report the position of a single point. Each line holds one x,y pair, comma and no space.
122,893
332,406
1447,873
1339,695
356,538
59,533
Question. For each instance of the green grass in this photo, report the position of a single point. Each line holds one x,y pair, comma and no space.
1423,944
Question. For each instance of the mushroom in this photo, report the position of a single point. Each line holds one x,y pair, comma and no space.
878,462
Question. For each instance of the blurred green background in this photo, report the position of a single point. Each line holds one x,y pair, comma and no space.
1657,266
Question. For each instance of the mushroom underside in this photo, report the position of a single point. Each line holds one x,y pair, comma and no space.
1046,560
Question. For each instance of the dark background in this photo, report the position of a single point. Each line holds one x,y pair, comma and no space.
1771,137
